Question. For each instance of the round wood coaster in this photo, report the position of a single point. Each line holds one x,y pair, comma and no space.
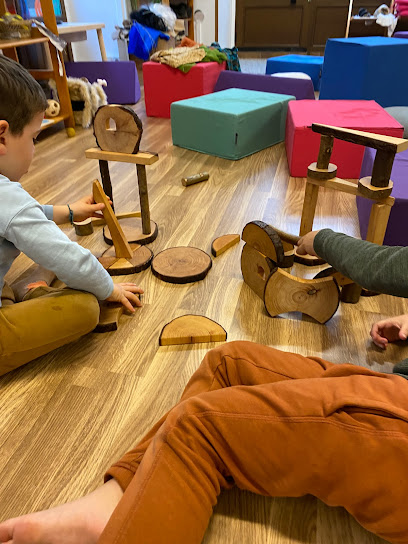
142,257
181,265
132,229
125,137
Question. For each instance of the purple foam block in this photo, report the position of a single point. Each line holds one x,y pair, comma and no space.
302,89
401,34
121,76
397,229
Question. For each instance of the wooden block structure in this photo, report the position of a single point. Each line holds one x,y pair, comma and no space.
122,258
377,187
263,259
121,144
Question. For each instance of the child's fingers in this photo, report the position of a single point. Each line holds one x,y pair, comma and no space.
127,304
133,298
133,288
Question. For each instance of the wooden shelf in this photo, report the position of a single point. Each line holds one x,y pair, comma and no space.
6,44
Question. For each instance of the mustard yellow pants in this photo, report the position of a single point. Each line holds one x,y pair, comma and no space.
37,326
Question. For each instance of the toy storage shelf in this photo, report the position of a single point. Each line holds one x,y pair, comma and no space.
10,49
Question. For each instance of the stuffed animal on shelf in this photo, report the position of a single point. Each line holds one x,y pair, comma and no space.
53,108
86,98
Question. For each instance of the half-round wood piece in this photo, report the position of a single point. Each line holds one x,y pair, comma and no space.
256,269
372,192
181,265
308,260
126,134
222,243
142,257
191,329
321,173
286,293
84,228
109,315
133,231
265,239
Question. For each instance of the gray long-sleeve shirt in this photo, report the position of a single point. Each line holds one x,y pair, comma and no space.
383,269
26,226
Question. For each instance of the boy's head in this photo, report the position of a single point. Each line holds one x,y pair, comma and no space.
22,106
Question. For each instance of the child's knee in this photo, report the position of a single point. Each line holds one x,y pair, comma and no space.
87,309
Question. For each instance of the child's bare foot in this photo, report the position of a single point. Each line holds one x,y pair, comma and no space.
32,278
78,522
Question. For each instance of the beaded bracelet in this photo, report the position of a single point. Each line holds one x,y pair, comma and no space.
71,215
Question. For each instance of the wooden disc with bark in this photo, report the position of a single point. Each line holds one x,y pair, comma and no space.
181,265
308,260
286,293
126,134
222,243
109,316
121,266
256,269
265,239
191,329
133,231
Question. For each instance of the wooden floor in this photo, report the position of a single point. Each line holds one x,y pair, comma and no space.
66,416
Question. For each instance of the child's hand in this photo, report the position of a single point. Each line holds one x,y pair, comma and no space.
125,294
305,244
389,330
86,207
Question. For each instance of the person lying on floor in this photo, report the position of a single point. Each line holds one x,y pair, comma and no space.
274,423
34,317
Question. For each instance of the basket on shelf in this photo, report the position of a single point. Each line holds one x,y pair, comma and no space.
14,27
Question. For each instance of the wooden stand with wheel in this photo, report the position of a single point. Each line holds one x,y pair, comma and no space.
137,226
377,188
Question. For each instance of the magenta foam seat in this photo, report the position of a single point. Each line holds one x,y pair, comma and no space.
302,144
164,85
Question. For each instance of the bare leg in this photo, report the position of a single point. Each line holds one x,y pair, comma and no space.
32,278
78,522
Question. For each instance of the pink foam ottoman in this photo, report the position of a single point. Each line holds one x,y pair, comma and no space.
302,145
164,85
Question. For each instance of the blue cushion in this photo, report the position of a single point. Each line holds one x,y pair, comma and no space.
308,64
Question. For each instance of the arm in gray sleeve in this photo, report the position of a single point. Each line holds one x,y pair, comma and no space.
378,268
41,240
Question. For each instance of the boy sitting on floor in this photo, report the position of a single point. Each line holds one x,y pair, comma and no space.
47,318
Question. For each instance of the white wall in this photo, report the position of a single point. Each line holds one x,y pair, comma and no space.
110,12
226,22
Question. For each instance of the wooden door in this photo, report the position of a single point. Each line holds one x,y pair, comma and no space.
272,23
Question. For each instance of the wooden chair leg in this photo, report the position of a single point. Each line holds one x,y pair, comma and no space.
377,224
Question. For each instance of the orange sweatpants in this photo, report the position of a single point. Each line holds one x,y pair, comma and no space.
273,423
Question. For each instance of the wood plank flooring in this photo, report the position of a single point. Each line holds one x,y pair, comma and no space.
69,414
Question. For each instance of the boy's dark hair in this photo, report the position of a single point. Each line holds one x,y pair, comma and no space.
21,97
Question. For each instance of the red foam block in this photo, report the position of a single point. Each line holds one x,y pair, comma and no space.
164,85
302,144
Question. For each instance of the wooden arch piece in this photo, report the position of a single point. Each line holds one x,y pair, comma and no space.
125,136
181,265
222,243
266,240
191,329
256,269
318,298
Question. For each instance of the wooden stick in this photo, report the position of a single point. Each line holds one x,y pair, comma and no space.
382,167
377,224
122,247
106,181
325,151
144,198
309,208
350,10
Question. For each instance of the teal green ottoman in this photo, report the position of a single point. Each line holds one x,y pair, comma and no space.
230,124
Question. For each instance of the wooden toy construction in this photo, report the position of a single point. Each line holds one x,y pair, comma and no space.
222,243
121,144
377,187
191,329
123,258
262,258
181,265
